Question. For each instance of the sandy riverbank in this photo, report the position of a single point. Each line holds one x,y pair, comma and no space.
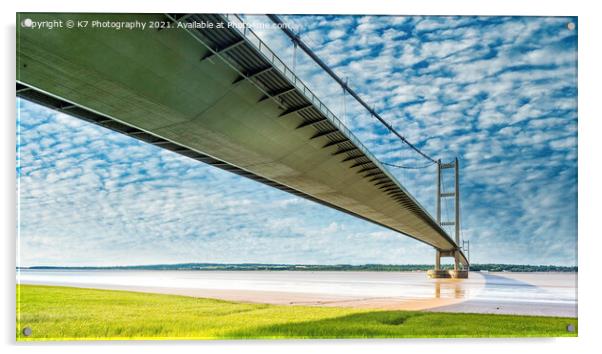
547,294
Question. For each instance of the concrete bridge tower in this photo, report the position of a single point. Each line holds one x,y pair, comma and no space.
459,271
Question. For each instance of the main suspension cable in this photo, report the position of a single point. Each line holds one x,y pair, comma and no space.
296,39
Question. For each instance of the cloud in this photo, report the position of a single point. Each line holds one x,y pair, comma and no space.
498,92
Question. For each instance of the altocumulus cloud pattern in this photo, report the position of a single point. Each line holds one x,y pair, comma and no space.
498,92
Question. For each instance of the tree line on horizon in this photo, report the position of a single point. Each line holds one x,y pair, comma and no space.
490,267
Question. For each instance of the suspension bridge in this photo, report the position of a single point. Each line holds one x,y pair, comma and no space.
219,95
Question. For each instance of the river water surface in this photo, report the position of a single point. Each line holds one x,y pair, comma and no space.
550,294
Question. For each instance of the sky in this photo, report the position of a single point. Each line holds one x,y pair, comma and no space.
499,93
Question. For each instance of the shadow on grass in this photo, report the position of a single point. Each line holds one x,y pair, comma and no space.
406,324
360,325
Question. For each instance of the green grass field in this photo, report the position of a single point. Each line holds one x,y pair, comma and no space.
63,313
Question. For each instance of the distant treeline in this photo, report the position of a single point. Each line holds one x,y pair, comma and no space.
319,267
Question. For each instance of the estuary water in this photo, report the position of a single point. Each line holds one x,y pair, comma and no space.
549,294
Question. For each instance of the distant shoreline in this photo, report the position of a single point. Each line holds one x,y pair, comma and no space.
315,267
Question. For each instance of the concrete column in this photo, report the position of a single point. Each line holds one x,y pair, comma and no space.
456,261
457,200
438,200
437,260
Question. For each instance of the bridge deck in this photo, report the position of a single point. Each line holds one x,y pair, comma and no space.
219,96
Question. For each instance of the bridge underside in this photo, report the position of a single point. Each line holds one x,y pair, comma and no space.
214,95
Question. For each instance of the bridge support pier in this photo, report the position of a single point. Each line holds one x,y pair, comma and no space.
457,273
438,272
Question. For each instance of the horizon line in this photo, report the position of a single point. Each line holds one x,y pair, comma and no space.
286,264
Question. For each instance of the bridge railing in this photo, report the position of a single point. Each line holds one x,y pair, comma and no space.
270,56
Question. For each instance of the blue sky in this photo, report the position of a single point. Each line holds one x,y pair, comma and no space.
498,92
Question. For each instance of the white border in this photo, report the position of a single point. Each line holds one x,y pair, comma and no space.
590,178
